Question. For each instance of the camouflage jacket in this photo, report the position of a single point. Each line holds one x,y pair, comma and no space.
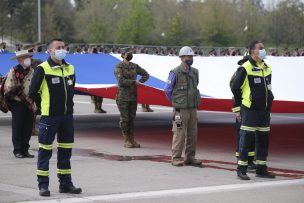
126,75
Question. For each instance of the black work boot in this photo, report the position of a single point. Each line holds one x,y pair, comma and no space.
262,172
251,166
70,189
44,192
242,173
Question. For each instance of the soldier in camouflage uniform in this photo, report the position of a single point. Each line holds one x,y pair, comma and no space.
126,73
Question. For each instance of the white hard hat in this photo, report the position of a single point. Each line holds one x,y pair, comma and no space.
186,51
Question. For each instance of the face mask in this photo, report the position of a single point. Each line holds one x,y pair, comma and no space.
262,54
129,57
189,62
27,62
60,54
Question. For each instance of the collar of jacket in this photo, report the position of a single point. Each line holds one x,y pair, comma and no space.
53,64
254,63
19,68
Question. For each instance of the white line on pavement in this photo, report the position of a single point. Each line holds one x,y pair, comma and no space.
175,192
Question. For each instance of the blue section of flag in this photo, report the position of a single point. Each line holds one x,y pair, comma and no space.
89,68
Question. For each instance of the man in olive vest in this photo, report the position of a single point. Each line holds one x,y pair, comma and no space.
181,89
253,100
53,86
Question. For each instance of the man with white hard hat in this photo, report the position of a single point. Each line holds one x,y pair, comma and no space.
181,89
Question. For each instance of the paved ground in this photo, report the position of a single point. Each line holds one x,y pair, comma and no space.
109,173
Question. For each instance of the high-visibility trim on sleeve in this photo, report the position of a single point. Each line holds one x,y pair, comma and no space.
236,109
237,154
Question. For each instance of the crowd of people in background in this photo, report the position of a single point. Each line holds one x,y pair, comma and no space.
156,50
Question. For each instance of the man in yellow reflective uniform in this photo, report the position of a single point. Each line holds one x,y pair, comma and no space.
253,100
52,88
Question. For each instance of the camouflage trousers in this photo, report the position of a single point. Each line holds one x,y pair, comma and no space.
127,111
97,101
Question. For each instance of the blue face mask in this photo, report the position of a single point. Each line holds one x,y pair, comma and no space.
189,62
262,54
60,54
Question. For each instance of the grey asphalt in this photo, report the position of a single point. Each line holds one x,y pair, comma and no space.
107,172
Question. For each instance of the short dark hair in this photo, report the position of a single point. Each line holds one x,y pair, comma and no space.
252,46
55,39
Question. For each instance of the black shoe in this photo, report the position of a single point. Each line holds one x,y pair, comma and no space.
70,189
243,176
251,167
266,174
45,192
19,155
28,155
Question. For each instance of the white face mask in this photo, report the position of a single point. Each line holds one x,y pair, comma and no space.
27,62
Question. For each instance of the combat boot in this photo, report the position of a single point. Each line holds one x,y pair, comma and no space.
102,111
149,109
127,142
144,108
135,144
97,111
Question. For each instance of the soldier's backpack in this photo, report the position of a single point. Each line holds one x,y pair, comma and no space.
3,104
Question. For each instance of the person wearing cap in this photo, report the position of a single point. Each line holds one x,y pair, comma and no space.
126,98
181,89
16,93
53,87
253,100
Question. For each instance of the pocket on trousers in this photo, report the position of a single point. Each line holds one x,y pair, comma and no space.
43,129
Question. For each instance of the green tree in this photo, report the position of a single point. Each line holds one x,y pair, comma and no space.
220,25
286,23
174,34
55,22
4,11
136,27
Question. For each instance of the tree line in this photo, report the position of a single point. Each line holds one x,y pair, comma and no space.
156,22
